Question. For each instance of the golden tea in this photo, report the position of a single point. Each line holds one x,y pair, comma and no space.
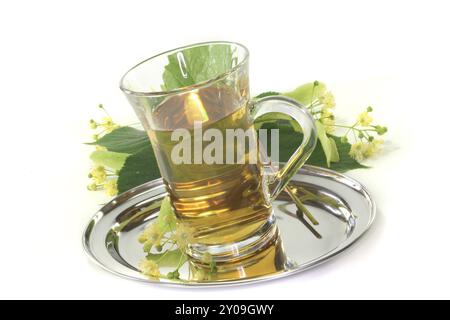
223,203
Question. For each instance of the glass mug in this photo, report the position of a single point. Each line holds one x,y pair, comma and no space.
227,206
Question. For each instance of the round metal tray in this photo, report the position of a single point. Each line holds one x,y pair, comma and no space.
342,222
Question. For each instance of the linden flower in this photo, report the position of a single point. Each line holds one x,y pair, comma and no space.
357,151
107,121
183,236
109,125
326,113
149,268
327,119
92,124
365,119
372,148
152,235
111,187
98,173
92,187
327,99
329,125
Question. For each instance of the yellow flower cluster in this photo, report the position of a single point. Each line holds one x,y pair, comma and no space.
364,119
98,173
362,150
327,119
327,100
365,144
166,230
106,125
151,236
182,236
149,268
110,186
101,181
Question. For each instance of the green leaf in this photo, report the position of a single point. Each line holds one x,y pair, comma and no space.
124,140
195,65
267,94
220,61
174,77
306,93
169,259
139,168
290,140
113,160
166,211
328,145
334,151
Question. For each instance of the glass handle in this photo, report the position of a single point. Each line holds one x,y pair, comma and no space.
279,104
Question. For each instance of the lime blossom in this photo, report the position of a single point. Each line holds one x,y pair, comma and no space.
149,268
98,173
357,151
361,150
327,99
111,187
108,124
365,119
372,148
92,124
151,237
183,236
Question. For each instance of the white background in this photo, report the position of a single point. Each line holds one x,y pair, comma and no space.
59,59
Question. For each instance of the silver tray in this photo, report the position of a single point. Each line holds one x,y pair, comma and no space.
305,246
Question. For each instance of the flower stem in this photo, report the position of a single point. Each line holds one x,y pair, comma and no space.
182,260
300,206
323,198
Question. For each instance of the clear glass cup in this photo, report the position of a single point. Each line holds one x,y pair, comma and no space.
226,206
